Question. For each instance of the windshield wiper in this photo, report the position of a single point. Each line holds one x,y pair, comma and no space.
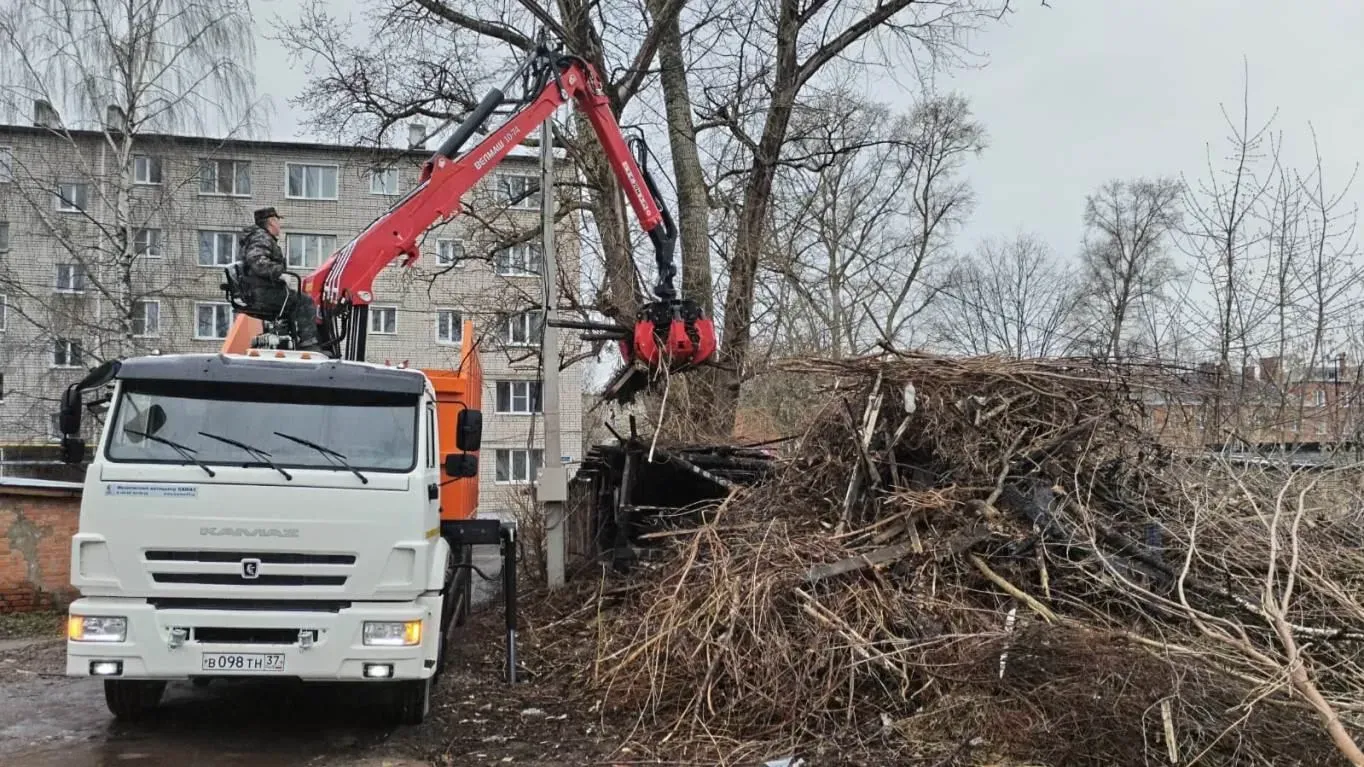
185,452
257,452
326,451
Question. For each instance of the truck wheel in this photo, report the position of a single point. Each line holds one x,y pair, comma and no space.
131,699
411,701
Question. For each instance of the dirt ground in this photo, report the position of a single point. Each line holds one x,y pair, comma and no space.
48,719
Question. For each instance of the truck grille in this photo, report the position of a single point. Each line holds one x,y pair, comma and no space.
266,557
238,635
215,567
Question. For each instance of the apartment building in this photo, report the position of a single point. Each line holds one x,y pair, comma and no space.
101,257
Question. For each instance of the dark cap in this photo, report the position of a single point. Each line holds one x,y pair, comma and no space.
263,214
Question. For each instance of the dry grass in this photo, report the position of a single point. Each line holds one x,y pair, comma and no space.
1006,572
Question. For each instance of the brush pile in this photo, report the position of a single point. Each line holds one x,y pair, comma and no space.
981,561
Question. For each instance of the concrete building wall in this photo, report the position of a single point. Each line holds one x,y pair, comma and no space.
169,296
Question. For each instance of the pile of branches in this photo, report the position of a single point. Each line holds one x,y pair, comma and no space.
983,561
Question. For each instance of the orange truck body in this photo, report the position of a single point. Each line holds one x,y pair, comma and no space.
456,390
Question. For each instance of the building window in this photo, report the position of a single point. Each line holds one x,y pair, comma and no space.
72,197
6,164
226,177
4,236
54,427
523,259
146,169
2,387
519,191
383,320
306,251
70,278
518,467
383,181
311,182
66,353
518,397
217,248
4,312
449,326
1321,397
146,318
147,242
449,252
522,329
212,321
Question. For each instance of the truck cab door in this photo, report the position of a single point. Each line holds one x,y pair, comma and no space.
431,473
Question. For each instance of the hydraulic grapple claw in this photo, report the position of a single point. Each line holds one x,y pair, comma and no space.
671,334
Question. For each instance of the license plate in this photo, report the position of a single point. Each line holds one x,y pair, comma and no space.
268,663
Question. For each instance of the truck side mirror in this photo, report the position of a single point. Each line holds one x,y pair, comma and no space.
469,430
73,450
460,465
69,417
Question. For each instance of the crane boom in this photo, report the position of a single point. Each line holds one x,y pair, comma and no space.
342,286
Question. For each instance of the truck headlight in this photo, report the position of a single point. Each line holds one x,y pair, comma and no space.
96,628
393,633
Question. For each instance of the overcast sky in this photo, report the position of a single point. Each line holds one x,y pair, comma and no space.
1088,90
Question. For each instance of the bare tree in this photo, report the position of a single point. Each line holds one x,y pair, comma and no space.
109,79
1125,260
775,54
1009,297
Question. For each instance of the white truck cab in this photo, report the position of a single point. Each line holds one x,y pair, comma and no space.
263,516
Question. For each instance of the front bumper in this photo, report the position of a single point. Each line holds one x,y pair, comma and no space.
337,653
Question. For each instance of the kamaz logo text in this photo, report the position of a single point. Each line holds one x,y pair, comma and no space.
486,157
251,532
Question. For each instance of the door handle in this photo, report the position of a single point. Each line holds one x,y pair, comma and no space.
432,491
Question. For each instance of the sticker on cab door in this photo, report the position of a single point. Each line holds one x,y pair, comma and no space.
152,491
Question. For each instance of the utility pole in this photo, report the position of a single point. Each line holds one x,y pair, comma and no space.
552,489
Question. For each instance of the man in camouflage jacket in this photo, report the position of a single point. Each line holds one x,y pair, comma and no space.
263,279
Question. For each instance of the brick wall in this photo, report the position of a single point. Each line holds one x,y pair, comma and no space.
37,521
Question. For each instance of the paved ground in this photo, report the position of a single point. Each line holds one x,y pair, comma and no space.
50,720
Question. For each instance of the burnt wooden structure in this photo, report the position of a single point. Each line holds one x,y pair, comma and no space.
622,492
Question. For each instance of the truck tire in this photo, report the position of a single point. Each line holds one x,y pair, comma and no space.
411,701
131,699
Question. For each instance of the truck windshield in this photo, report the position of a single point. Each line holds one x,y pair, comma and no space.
374,431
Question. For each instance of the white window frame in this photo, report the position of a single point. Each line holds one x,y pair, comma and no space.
307,238
4,316
375,312
505,190
6,164
145,304
70,345
378,187
143,165
455,323
159,243
200,305
75,279
54,427
60,198
530,321
531,394
526,254
507,456
336,181
217,234
456,252
217,164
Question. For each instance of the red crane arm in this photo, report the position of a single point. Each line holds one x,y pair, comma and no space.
347,276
